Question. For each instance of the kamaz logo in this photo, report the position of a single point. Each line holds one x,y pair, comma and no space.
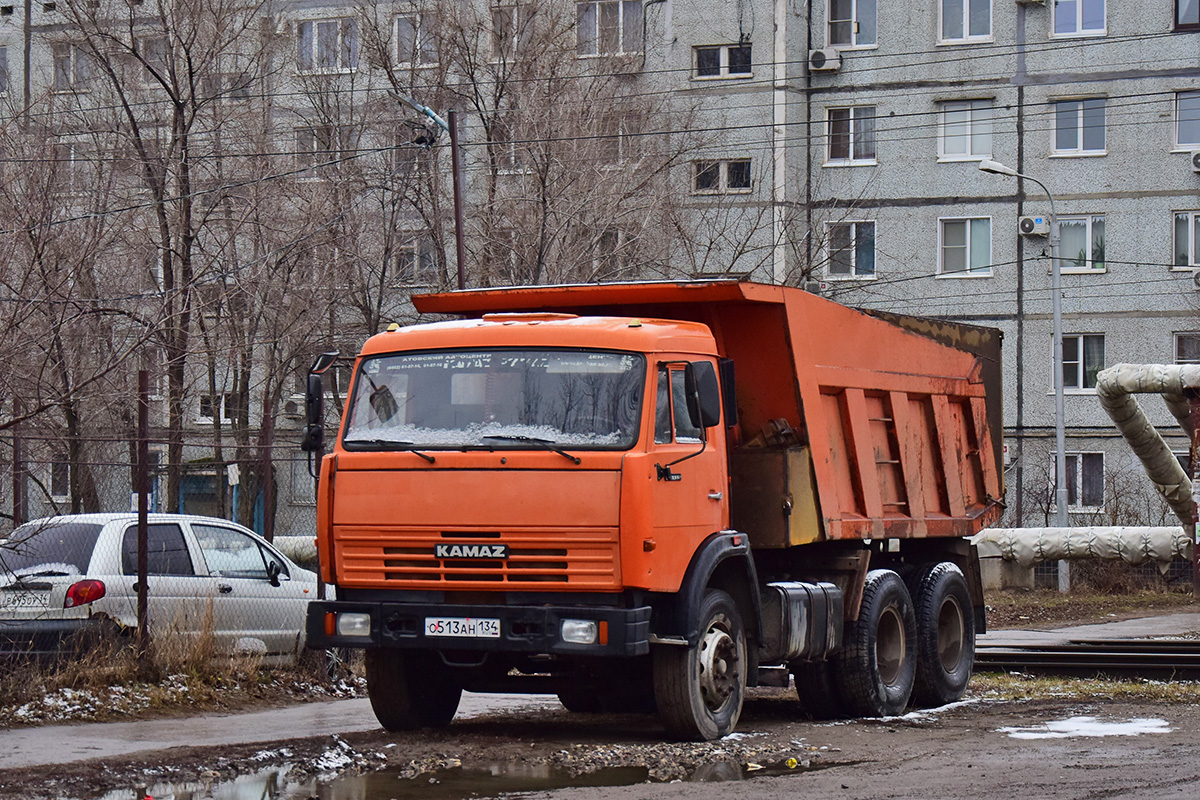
471,550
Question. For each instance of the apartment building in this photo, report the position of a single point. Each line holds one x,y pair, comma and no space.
833,144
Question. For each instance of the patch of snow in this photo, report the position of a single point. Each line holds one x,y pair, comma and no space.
925,713
733,737
1088,727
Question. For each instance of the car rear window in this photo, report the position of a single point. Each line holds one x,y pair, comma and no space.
64,547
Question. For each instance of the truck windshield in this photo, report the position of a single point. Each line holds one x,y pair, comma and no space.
522,399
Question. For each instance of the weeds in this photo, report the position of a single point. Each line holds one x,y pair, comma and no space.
1020,686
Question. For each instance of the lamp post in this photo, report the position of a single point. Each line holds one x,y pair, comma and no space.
1060,444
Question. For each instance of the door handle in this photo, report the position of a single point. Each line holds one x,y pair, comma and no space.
715,495
224,588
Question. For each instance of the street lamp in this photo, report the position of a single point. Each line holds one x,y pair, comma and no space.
1060,445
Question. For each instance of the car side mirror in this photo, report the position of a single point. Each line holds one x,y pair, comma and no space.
273,572
703,394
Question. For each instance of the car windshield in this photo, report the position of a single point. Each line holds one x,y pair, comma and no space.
497,398
49,547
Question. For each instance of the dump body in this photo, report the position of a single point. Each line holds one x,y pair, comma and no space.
904,427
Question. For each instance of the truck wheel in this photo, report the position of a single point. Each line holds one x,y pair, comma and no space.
699,689
410,689
876,669
816,689
945,635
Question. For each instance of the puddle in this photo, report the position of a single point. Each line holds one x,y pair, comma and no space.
1088,727
459,783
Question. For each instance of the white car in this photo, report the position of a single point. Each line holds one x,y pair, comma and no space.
63,578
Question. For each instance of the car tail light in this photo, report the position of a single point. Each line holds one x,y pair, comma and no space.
84,592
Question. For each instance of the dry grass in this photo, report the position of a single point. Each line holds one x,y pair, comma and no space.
1019,686
1016,608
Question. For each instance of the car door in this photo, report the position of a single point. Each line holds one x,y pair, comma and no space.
251,611
179,597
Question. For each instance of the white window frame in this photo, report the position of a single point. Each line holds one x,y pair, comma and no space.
852,249
1078,456
858,135
1191,245
964,9
424,43
347,57
722,166
968,272
979,116
78,73
1177,339
587,42
1187,25
1193,98
1080,365
200,418
1078,29
1067,265
723,67
855,22
416,263
1080,150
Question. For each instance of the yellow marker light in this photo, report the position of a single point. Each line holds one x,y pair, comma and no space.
635,323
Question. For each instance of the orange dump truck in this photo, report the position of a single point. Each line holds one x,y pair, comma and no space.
650,496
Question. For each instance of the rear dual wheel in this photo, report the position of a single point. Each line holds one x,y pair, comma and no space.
945,634
876,669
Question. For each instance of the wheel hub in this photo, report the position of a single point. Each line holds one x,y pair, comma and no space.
718,665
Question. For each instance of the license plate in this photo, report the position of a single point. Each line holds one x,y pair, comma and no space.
463,627
19,600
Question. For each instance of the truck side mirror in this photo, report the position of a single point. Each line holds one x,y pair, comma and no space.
703,394
314,404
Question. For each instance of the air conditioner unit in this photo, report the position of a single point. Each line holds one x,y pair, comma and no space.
1031,2
1033,226
814,287
827,60
1196,161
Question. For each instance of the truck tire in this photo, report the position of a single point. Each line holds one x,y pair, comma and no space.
945,635
816,689
699,689
878,663
409,689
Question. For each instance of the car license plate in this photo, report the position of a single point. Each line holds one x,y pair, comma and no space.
463,627
18,600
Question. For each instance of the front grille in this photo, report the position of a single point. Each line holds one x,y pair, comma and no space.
551,558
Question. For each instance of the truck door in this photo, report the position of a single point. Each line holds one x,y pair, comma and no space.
689,493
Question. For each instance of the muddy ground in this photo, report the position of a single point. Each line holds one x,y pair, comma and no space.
960,751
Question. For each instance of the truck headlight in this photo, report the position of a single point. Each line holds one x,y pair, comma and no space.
579,631
354,624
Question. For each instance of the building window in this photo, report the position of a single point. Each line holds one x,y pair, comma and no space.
851,250
75,167
730,176
1078,17
965,247
1079,126
3,70
1187,119
1084,480
1187,348
1187,239
415,43
608,27
319,145
851,135
1081,243
155,51
723,61
1083,358
328,45
966,20
612,254
1187,13
966,130
72,69
60,479
416,264
510,28
851,23
217,407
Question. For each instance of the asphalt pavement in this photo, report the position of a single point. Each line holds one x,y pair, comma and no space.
64,744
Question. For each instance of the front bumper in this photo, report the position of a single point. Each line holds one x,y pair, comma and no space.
523,629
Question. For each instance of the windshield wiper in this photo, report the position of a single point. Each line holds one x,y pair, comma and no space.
545,444
387,444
